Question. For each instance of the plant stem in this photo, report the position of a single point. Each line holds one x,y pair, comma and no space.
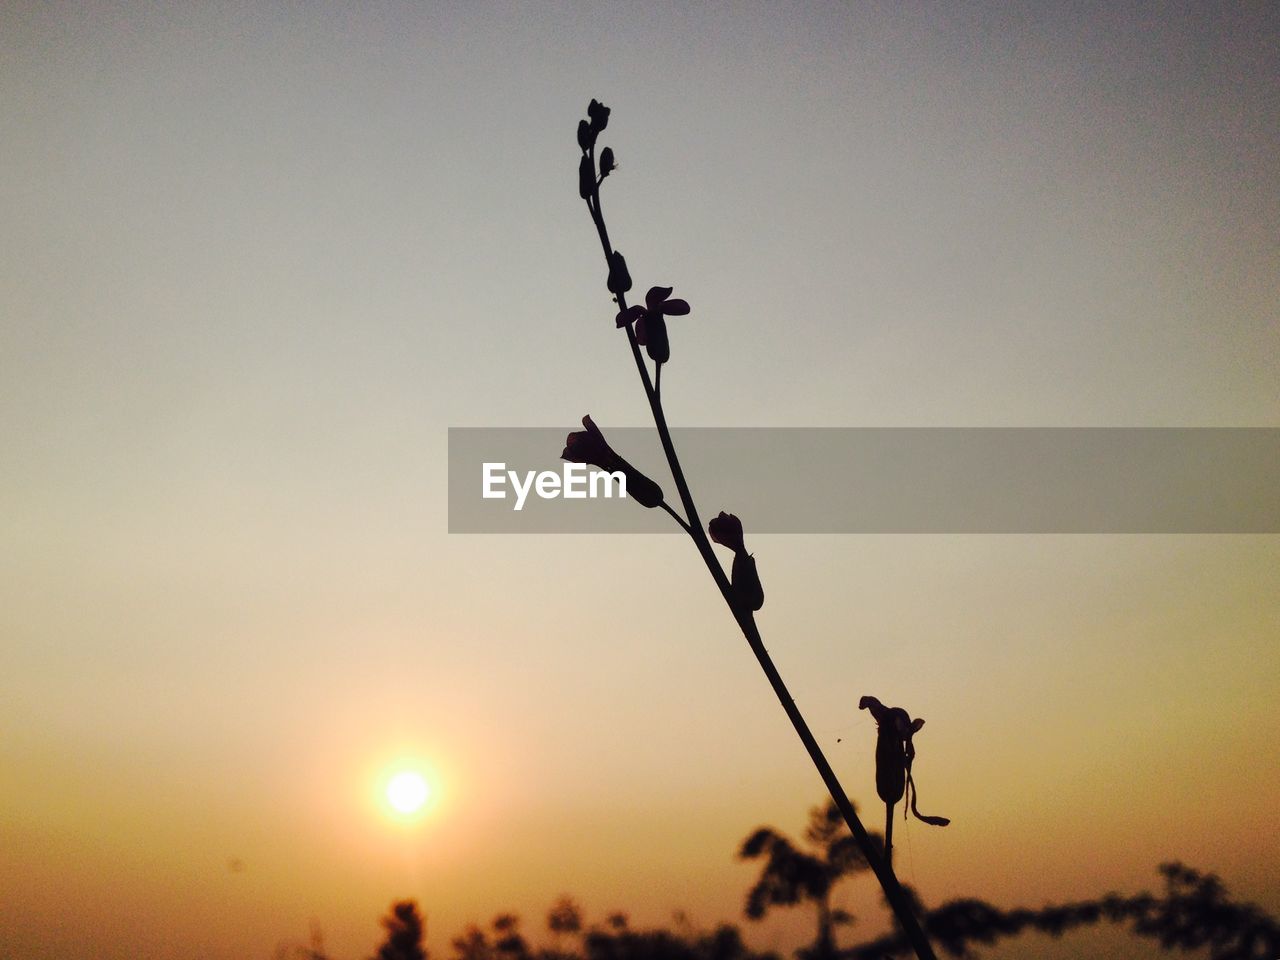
746,622
675,516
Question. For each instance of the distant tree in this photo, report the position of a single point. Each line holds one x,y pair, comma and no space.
623,943
792,875
1195,913
405,929
617,920
564,917
508,942
472,944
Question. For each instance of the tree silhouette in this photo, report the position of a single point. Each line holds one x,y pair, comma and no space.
564,919
1194,913
472,944
565,916
792,875
508,942
620,942
405,928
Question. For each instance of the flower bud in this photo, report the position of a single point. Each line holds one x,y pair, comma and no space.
586,136
590,446
599,115
606,162
726,530
586,178
619,279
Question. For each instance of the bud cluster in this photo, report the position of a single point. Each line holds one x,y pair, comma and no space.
726,530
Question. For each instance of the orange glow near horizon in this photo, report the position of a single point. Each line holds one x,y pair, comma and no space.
262,258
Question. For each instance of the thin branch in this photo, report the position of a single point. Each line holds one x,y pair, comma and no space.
676,517
898,901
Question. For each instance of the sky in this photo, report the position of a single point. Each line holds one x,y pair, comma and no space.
258,258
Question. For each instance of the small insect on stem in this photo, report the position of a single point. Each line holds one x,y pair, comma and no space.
895,752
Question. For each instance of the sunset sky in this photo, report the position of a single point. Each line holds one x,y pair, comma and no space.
257,259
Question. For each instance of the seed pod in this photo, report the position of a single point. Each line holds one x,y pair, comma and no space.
746,581
606,162
599,115
891,760
652,332
586,136
640,488
586,178
619,279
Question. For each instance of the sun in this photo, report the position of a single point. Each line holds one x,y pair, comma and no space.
408,792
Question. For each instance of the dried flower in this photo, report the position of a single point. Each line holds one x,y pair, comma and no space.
895,752
726,530
650,321
590,446
599,115
619,279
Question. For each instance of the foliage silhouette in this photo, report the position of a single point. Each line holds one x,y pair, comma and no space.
405,929
507,942
565,916
1194,913
615,940
791,875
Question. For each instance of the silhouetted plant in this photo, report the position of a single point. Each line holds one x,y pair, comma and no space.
405,929
615,940
646,326
472,944
565,916
791,875
895,752
723,943
508,943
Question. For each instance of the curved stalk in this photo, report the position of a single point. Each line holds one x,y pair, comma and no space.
880,866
